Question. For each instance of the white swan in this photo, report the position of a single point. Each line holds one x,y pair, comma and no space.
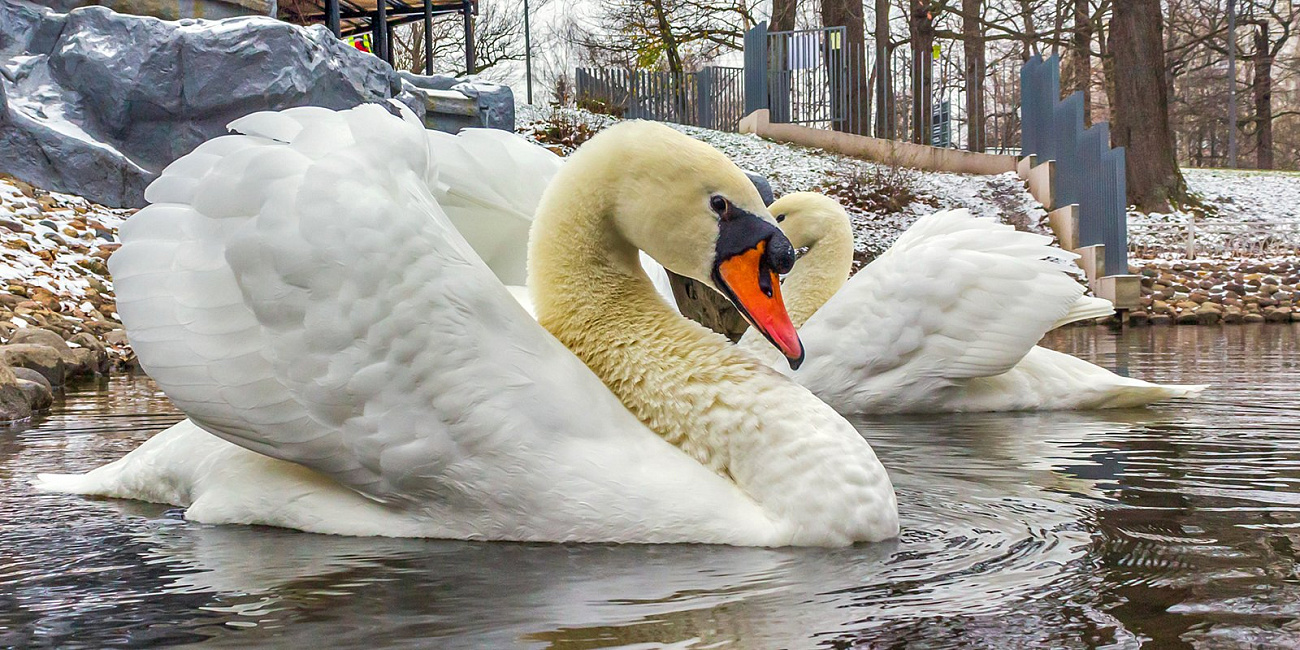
945,320
298,292
903,353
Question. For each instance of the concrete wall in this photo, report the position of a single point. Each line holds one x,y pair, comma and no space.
891,152
177,9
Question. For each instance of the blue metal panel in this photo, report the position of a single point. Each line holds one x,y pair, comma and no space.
1029,110
1067,126
704,98
756,68
1092,144
1049,93
1115,224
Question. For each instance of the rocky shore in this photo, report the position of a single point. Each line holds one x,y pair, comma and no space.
1204,292
58,317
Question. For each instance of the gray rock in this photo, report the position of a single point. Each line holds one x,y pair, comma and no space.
47,338
496,103
39,396
13,401
101,102
98,359
42,359
28,374
116,337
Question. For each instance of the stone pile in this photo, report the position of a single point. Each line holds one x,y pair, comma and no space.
1211,292
58,316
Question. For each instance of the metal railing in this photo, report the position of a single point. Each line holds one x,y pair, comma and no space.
1089,173
1214,239
821,78
711,97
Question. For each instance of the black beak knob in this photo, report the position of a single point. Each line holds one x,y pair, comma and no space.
779,254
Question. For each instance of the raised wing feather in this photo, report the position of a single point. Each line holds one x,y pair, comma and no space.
489,183
299,292
954,298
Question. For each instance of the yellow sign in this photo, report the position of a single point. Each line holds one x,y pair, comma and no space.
936,51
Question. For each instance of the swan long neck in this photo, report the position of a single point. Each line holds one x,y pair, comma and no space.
590,292
818,275
774,440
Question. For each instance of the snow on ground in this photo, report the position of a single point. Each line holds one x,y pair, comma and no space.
54,250
792,168
1244,214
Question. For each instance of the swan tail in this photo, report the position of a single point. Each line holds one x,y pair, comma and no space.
1134,393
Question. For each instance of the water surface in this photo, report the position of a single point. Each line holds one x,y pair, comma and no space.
1170,527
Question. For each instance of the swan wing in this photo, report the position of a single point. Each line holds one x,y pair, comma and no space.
489,183
296,290
955,297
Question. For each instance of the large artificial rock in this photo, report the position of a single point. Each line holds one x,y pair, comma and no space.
96,103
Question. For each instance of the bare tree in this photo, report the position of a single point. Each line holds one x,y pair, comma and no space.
972,16
848,14
498,38
1141,119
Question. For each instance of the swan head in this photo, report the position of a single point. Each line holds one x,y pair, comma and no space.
808,217
695,212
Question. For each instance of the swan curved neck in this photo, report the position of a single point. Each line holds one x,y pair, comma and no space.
818,275
589,290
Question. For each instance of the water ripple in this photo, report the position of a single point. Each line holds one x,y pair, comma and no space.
1176,526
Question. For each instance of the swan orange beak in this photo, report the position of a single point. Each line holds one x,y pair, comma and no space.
750,281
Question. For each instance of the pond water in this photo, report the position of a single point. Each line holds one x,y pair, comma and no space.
1175,526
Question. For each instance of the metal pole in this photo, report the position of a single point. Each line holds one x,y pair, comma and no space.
528,54
1232,84
428,37
379,30
332,17
469,37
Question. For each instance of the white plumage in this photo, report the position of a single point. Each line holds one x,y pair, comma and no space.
300,292
947,319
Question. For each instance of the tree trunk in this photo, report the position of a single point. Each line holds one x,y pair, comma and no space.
884,78
1107,70
921,25
1027,37
852,58
1140,120
1262,88
1079,76
669,40
783,13
973,42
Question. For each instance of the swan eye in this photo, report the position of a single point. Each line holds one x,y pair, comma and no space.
780,218
719,205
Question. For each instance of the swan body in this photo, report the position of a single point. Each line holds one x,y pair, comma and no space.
945,320
349,364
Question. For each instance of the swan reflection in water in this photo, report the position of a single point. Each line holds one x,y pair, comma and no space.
993,512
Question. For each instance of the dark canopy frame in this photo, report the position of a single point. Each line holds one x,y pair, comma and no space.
379,17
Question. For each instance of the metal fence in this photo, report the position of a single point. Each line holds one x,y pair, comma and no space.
1214,239
711,97
1089,173
821,78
